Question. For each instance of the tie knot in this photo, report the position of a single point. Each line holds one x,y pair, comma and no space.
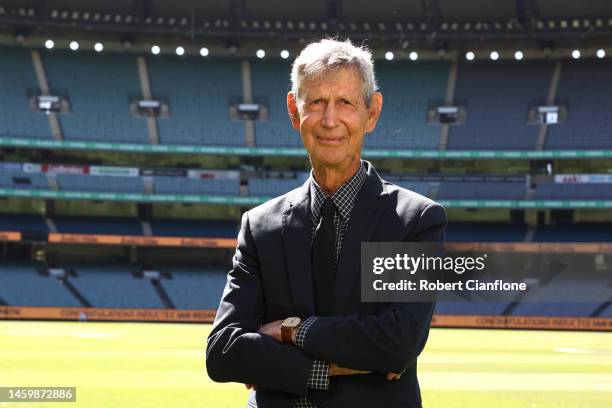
328,208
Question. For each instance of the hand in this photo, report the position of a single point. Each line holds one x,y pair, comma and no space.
335,369
393,376
272,329
249,386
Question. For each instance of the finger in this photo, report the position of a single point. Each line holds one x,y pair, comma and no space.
248,386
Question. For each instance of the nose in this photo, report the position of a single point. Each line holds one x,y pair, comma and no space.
330,116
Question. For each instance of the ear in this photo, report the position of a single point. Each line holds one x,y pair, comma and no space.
292,109
374,111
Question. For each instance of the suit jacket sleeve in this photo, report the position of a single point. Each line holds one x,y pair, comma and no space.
389,340
235,350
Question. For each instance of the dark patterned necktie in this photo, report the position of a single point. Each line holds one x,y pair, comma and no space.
323,260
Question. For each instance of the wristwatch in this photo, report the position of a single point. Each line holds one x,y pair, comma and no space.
287,327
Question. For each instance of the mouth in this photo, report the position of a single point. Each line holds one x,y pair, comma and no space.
329,141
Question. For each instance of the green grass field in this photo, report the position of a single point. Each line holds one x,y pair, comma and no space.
136,365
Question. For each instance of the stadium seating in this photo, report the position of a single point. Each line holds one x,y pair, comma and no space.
484,232
585,87
498,95
22,285
580,232
99,88
576,191
114,286
270,81
194,228
23,222
470,308
78,182
98,225
420,187
195,288
408,89
184,185
607,312
22,180
475,190
199,93
272,187
16,79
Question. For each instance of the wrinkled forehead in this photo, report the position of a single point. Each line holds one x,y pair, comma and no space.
344,79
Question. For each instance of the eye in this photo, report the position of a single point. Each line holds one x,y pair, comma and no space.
316,102
346,102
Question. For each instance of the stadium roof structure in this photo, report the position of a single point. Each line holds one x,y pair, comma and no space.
432,21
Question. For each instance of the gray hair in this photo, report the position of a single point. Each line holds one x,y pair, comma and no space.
328,54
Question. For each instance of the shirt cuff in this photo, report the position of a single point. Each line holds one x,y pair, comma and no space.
319,376
300,334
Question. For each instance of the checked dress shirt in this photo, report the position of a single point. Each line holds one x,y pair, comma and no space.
344,200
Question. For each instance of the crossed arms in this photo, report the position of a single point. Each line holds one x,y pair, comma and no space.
385,342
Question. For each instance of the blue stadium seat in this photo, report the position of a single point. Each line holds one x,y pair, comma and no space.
575,191
498,95
98,225
22,285
23,222
114,286
420,187
99,88
271,83
195,288
184,185
484,232
273,187
16,79
199,91
580,232
194,228
475,190
22,180
78,182
408,89
585,86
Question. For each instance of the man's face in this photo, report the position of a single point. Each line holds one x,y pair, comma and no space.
332,117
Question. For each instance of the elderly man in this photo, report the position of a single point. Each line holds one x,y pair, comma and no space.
291,324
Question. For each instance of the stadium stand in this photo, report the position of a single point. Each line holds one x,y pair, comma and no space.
579,232
272,187
114,286
199,93
184,185
408,89
194,288
22,180
576,191
498,96
194,228
22,285
99,88
563,288
16,79
585,87
98,225
509,190
270,81
485,232
420,187
22,222
80,182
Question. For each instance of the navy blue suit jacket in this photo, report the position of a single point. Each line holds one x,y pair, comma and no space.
271,279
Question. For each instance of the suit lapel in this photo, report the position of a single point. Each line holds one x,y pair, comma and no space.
296,224
369,207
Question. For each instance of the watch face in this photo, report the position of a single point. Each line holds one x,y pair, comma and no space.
292,321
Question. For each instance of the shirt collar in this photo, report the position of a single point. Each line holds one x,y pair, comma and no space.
343,198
